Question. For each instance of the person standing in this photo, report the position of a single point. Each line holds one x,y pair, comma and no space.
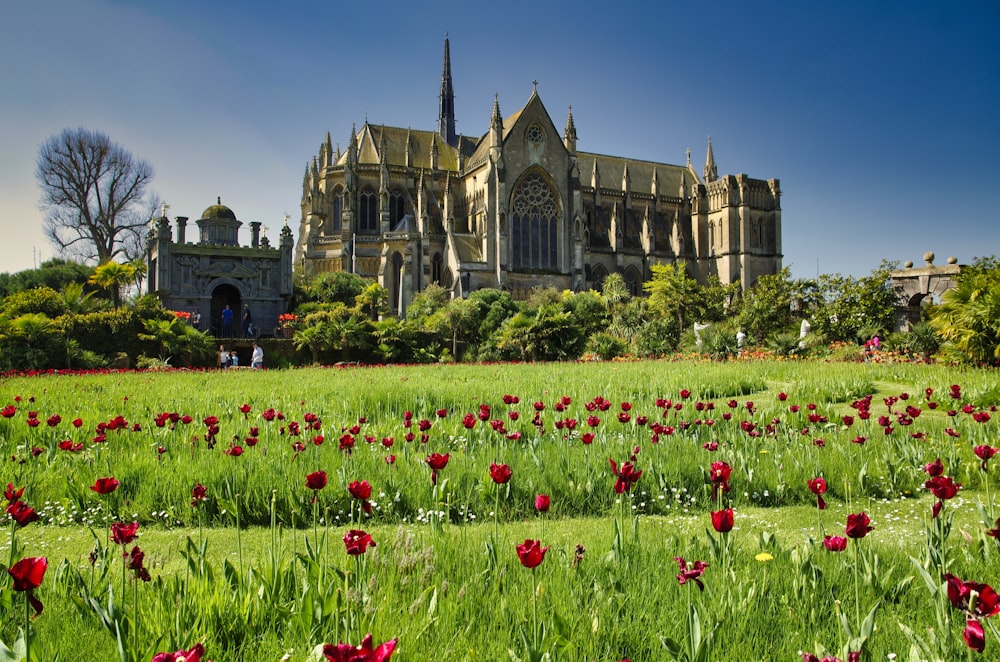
247,322
196,320
227,322
257,357
223,357
234,360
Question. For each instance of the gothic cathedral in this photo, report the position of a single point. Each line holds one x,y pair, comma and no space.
519,207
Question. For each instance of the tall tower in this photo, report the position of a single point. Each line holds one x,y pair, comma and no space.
446,114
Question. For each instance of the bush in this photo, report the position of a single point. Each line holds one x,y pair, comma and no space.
42,300
606,346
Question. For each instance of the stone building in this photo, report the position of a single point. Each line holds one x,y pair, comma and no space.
216,271
520,207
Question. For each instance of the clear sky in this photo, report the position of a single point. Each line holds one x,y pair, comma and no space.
879,118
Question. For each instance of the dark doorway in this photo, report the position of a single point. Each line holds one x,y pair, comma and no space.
222,296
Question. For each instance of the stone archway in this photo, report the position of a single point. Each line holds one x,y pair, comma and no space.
224,295
914,284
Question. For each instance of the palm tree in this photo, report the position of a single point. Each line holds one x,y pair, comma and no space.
112,276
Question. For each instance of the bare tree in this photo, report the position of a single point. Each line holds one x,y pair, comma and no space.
93,195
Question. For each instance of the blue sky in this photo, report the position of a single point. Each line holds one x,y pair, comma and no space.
880,119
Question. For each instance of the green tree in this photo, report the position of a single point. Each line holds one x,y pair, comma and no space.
54,274
854,308
112,277
673,292
968,319
766,307
373,300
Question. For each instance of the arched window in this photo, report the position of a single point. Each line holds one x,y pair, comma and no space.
436,268
598,274
397,207
396,302
368,212
534,226
337,211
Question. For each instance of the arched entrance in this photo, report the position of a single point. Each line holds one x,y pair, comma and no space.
222,296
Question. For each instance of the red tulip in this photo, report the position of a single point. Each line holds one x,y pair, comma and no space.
105,485
363,653
542,502
11,494
818,487
198,493
835,543
357,542
123,534
858,525
977,601
500,473
22,513
691,574
722,520
943,487
28,574
192,655
984,453
625,477
531,553
934,468
437,462
316,480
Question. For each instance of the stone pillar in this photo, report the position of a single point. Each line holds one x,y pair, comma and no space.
181,227
255,234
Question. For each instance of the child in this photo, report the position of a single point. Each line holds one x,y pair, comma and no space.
234,360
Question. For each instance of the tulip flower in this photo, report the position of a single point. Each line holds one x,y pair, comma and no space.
123,534
690,574
542,502
28,574
357,542
191,655
835,543
363,653
722,520
818,487
531,553
858,525
105,485
500,473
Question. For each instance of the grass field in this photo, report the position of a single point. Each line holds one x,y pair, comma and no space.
258,569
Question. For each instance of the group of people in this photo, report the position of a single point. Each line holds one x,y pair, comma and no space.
227,322
229,359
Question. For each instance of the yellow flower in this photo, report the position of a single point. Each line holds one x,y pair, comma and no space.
764,557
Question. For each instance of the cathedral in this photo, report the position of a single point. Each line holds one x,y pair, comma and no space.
520,207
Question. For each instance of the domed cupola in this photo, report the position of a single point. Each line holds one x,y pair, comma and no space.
218,225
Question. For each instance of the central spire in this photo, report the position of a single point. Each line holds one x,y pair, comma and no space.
446,114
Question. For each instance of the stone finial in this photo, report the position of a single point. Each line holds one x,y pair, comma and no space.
952,260
908,264
929,258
